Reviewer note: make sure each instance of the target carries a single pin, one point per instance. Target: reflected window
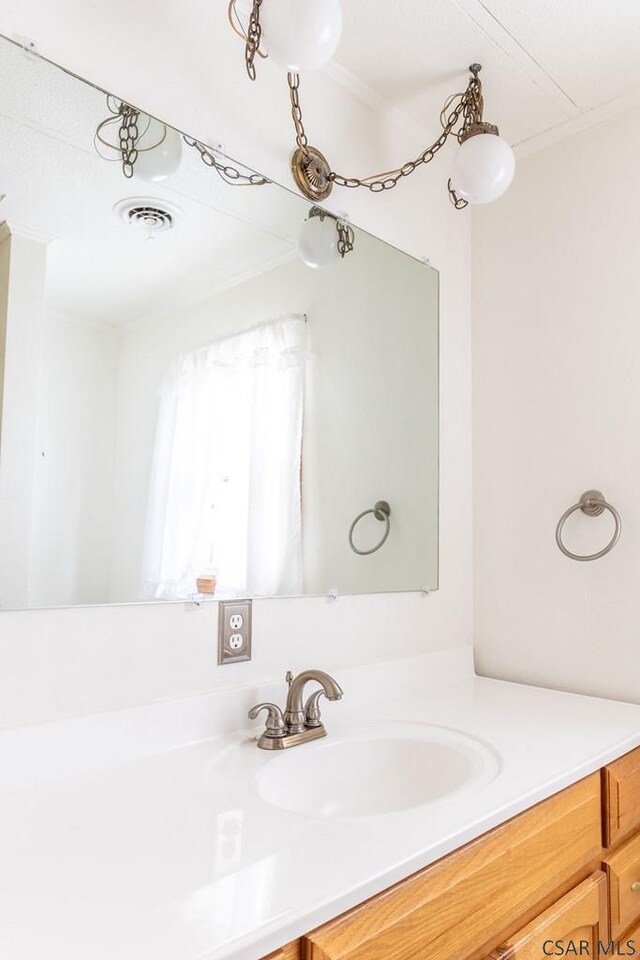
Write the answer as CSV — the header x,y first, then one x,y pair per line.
x,y
224,509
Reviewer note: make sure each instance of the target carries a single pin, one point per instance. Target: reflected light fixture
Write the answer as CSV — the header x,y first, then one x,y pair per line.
x,y
324,239
147,148
150,150
302,35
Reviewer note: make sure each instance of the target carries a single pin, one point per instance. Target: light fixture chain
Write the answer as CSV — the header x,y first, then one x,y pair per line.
x,y
254,35
293,79
128,134
459,202
389,180
229,174
346,238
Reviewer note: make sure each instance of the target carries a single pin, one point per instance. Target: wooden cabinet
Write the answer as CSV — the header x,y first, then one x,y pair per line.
x,y
621,798
623,871
472,898
574,926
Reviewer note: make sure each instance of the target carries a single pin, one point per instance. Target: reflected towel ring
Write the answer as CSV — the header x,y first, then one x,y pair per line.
x,y
382,512
592,503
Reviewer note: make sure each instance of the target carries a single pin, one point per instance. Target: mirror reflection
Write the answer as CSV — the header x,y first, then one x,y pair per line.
x,y
210,388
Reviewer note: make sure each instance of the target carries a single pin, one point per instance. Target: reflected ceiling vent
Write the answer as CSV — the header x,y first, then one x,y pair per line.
x,y
149,215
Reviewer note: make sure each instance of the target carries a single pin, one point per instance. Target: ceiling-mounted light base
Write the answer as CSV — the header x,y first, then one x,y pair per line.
x,y
311,170
477,128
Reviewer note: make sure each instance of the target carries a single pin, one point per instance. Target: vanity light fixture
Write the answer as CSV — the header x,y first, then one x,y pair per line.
x,y
147,148
324,238
152,151
303,36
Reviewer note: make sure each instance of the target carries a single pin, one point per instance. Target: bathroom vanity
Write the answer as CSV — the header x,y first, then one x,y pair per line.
x,y
165,832
530,888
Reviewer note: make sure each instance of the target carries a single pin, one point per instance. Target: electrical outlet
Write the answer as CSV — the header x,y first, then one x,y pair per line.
x,y
234,631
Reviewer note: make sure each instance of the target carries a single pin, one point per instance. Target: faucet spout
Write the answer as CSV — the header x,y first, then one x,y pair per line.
x,y
294,714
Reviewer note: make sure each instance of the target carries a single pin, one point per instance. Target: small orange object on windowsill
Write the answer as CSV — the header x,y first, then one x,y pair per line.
x,y
207,584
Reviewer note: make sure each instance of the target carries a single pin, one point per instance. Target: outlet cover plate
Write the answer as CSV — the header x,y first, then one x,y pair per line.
x,y
238,611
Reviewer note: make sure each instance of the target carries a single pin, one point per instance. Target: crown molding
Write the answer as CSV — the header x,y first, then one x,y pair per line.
x,y
13,228
579,124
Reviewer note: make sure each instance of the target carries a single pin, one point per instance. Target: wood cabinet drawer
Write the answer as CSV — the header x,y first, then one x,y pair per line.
x,y
621,793
580,917
623,872
472,898
627,945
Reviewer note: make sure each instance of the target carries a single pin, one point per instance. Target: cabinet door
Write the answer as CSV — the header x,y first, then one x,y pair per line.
x,y
623,872
572,927
621,788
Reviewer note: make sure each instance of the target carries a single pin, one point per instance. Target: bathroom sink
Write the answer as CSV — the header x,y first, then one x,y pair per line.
x,y
381,770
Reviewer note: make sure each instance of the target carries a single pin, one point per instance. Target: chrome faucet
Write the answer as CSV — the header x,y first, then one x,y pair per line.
x,y
301,721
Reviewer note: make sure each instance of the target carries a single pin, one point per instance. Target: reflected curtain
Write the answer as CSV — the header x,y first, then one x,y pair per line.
x,y
224,492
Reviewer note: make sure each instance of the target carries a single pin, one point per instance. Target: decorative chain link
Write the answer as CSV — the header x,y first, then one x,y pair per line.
x,y
128,134
293,79
228,173
346,237
254,35
458,202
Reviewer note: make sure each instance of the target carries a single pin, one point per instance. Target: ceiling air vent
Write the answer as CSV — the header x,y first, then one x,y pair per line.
x,y
152,216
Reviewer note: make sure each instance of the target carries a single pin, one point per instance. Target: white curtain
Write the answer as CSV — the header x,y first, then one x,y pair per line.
x,y
224,493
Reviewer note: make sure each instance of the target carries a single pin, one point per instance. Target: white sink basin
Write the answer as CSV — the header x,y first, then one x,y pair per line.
x,y
381,770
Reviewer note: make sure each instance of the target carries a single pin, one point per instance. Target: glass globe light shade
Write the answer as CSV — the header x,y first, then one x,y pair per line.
x,y
483,168
156,162
301,35
318,242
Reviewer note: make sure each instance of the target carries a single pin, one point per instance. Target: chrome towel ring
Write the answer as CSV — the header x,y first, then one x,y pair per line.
x,y
382,512
592,503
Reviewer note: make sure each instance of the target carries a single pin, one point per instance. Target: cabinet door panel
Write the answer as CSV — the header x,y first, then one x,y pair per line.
x,y
623,872
621,789
574,926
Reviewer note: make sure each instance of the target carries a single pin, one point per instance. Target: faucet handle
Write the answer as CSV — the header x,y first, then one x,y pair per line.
x,y
312,709
274,726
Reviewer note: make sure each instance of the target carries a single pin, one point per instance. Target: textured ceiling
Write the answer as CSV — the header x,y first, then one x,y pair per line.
x,y
549,66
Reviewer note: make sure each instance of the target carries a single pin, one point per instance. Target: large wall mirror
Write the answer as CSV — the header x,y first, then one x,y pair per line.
x,y
189,408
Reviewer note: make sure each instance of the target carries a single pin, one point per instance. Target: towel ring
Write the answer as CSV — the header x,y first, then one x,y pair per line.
x,y
382,512
592,503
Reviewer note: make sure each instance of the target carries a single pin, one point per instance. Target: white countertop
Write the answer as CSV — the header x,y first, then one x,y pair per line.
x,y
131,836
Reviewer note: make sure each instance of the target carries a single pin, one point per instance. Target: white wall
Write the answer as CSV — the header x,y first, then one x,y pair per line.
x,y
372,336
556,346
189,71
73,491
